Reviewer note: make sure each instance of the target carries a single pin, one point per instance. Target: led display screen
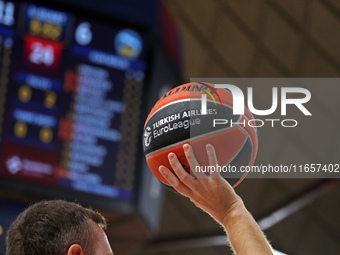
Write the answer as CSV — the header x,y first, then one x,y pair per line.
x,y
70,100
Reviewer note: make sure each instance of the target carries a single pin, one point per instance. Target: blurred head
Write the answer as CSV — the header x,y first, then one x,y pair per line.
x,y
58,227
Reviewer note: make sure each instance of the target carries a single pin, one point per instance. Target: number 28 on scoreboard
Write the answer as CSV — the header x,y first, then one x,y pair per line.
x,y
42,53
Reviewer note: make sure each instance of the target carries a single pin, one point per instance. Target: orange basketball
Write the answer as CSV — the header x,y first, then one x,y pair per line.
x,y
177,119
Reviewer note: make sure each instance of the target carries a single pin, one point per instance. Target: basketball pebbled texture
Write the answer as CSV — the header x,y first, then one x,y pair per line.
x,y
176,119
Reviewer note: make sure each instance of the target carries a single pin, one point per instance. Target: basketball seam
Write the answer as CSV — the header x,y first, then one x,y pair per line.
x,y
241,147
252,144
244,142
255,129
252,152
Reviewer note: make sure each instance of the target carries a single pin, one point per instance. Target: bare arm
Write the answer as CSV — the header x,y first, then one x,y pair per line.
x,y
216,197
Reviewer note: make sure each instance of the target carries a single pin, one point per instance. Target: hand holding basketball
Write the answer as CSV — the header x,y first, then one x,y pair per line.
x,y
213,194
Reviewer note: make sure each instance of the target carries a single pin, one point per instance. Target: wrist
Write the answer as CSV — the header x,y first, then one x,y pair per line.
x,y
235,210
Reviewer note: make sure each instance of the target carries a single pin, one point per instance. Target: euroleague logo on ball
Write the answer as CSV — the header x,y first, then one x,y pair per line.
x,y
147,136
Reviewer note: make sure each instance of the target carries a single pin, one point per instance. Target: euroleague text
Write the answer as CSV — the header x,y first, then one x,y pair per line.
x,y
183,120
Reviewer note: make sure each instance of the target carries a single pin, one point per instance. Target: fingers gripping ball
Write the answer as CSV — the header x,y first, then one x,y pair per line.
x,y
177,119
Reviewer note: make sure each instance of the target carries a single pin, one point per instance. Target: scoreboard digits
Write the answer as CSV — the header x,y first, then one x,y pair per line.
x,y
83,34
45,29
6,13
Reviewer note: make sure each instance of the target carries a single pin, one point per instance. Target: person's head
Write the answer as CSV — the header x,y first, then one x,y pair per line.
x,y
58,227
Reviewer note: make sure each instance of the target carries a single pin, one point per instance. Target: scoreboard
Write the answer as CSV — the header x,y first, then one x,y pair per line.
x,y
71,92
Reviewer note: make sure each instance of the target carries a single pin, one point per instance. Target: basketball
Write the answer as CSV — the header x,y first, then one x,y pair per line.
x,y
178,118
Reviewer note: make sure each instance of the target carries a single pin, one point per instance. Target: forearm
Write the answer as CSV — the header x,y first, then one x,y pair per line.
x,y
244,234
216,196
